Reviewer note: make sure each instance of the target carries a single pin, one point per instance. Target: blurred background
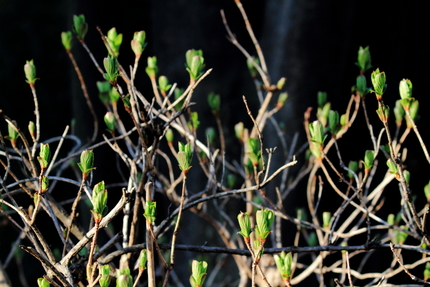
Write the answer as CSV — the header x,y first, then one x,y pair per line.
x,y
312,43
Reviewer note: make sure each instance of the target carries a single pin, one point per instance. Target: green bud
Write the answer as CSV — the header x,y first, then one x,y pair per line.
x,y
369,157
30,72
322,99
378,82
138,43
361,86
169,135
111,66
353,165
87,162
239,131
80,27
194,63
114,41
109,119
66,40
124,278
45,184
254,152
251,67
150,212
42,282
343,120
114,95
142,260
316,130
31,129
312,240
231,180
189,56
334,122
13,134
194,121
196,67
152,68
399,112
184,157
326,219
198,273
383,112
214,102
392,167
104,89
282,99
284,262
210,135
427,191
427,272
363,59
178,93
280,84
163,84
99,201
399,237
264,218
405,89
44,156
105,276
245,225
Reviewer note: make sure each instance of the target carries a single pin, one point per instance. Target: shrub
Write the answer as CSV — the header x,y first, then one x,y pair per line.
x,y
330,241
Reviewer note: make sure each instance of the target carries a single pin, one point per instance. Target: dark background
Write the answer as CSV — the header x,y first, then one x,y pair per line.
x,y
312,43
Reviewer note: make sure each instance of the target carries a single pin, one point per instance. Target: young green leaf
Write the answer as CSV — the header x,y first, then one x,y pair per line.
x,y
152,68
150,212
44,156
111,66
105,276
184,157
99,201
80,27
378,81
364,59
114,41
245,226
30,72
198,273
110,121
87,162
42,282
138,43
66,40
405,89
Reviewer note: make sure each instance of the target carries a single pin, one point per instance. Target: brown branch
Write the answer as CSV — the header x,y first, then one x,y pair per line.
x,y
413,277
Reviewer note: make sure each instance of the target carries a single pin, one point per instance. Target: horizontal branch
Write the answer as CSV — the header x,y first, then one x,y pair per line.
x,y
245,252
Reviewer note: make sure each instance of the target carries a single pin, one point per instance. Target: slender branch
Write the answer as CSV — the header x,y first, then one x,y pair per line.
x,y
86,95
413,277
